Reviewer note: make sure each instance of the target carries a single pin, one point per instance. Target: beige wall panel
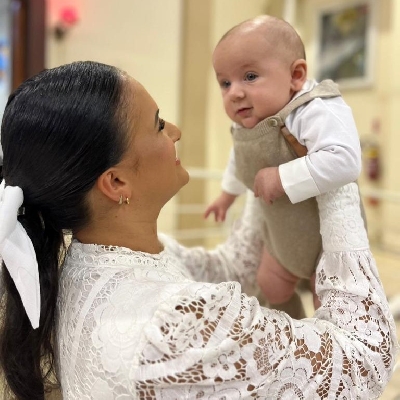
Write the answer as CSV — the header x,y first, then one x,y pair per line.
x,y
141,37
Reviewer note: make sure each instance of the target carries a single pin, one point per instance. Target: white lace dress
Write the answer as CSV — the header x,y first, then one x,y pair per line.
x,y
140,326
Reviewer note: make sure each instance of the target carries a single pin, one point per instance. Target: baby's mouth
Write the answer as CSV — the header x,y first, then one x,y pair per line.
x,y
243,111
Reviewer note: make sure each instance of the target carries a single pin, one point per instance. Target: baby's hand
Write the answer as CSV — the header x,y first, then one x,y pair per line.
x,y
268,185
220,206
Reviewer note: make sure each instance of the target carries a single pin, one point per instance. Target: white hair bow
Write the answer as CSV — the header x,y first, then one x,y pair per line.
x,y
17,251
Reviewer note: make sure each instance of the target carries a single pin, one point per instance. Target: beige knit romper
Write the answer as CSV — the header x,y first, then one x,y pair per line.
x,y
290,231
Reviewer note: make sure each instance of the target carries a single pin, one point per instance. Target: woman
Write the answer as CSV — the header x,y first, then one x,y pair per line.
x,y
85,150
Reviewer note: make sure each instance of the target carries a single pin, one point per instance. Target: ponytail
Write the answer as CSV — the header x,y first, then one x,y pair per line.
x,y
61,130
27,354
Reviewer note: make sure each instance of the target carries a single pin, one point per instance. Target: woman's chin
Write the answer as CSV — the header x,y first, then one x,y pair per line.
x,y
182,180
186,177
183,176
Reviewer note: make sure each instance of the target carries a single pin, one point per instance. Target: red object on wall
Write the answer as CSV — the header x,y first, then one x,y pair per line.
x,y
69,16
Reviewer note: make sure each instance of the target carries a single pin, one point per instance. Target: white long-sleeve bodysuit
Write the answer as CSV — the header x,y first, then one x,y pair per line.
x,y
327,128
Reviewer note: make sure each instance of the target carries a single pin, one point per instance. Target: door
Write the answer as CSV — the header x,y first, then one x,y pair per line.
x,y
22,44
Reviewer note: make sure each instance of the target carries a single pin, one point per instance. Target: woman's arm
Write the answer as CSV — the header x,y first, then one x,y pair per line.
x,y
213,340
236,259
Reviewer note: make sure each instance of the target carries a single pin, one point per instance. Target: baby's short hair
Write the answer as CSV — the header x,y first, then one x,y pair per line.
x,y
277,31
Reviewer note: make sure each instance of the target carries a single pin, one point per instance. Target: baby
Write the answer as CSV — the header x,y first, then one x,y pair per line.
x,y
293,139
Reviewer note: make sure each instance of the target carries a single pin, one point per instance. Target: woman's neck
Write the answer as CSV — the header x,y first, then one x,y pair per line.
x,y
137,236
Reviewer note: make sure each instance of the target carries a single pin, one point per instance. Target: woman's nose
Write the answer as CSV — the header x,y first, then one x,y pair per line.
x,y
173,132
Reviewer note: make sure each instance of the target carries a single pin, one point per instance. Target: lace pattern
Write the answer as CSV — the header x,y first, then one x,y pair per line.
x,y
134,325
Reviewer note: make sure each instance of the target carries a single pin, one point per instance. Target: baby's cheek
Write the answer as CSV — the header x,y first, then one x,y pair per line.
x,y
229,110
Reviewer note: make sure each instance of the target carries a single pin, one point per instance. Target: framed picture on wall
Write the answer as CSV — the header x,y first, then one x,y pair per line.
x,y
345,42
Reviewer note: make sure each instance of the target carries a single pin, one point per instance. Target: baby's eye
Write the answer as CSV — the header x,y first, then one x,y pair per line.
x,y
161,124
224,84
251,76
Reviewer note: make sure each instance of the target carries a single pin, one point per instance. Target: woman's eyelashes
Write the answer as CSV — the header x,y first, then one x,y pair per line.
x,y
161,124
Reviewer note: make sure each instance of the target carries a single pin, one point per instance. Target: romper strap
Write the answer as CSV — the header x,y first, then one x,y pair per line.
x,y
325,89
297,147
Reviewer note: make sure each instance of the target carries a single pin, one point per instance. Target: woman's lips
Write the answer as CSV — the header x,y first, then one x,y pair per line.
x,y
177,160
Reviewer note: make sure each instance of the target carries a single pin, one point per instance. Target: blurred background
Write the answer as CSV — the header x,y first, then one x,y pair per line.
x,y
167,46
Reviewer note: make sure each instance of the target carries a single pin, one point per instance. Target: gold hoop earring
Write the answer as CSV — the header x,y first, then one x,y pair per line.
x,y
120,200
127,200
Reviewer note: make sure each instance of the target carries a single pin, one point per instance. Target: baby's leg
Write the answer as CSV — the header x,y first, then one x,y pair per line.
x,y
278,286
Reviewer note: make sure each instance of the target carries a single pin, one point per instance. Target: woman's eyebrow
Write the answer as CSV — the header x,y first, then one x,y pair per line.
x,y
156,118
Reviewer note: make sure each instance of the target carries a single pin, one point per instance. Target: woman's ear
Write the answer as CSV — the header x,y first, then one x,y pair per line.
x,y
112,185
299,74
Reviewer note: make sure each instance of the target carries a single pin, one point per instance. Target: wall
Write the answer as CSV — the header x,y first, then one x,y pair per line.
x,y
167,45
206,139
141,37
375,108
226,14
5,60
389,62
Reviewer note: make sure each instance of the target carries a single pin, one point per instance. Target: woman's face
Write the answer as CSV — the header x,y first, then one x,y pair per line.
x,y
156,170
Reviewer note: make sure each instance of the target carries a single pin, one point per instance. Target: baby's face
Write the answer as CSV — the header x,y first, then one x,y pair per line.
x,y
255,79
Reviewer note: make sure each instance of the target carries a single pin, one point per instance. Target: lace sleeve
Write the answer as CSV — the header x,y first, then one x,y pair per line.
x,y
211,341
236,259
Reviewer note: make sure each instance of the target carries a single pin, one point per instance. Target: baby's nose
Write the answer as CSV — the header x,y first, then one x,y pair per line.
x,y
236,91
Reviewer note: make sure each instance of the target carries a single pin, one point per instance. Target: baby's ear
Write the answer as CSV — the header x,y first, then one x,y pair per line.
x,y
299,74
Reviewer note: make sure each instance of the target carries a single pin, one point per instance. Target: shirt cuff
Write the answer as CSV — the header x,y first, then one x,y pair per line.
x,y
233,186
297,181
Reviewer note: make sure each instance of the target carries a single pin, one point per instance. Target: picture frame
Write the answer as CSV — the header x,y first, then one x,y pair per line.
x,y
346,32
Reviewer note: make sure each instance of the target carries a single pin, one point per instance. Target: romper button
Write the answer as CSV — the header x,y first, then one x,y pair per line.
x,y
273,122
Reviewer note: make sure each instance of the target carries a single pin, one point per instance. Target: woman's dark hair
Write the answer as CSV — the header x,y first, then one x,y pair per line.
x,y
61,130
